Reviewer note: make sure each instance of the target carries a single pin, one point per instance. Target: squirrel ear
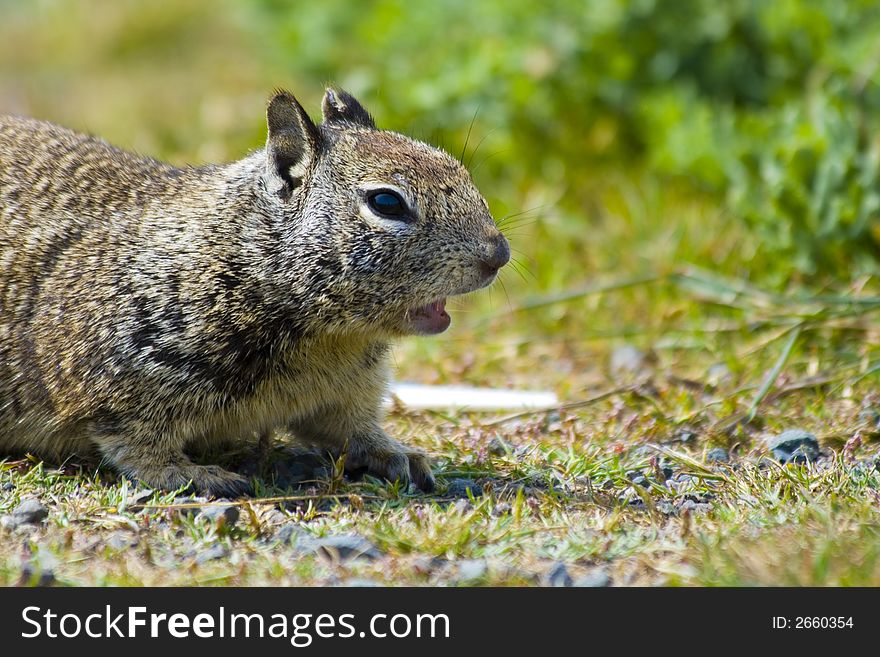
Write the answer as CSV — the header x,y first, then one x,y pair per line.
x,y
341,108
292,145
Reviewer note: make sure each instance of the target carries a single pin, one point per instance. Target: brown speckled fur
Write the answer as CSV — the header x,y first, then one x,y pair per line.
x,y
145,307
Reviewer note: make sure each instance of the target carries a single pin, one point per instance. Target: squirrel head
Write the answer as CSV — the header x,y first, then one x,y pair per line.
x,y
387,227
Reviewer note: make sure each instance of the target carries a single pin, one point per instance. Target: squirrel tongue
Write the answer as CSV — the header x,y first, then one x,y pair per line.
x,y
430,319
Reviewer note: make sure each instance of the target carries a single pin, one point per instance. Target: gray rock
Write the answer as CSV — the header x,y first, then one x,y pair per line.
x,y
558,576
341,547
290,533
685,436
498,447
216,551
627,359
29,512
718,455
794,446
717,374
7,486
460,488
701,496
462,506
360,582
694,507
138,497
39,569
871,416
120,541
229,514
596,578
472,569
802,455
34,575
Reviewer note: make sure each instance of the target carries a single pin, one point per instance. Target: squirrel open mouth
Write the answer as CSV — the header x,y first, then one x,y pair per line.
x,y
429,319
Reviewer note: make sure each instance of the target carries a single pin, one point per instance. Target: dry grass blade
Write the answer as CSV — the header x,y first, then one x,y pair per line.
x,y
701,469
770,379
254,501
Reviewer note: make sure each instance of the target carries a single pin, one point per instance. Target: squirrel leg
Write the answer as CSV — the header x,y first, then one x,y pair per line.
x,y
386,457
368,446
166,467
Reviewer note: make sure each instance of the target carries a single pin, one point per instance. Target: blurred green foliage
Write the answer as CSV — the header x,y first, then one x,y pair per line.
x,y
773,105
575,108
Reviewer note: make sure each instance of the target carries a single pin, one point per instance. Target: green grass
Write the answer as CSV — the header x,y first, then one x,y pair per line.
x,y
630,258
557,488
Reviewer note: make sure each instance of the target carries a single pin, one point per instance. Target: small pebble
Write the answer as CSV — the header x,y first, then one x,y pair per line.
x,y
138,497
717,455
471,569
802,455
120,541
717,374
361,582
667,508
597,578
498,447
558,576
871,416
460,488
666,470
703,496
290,532
694,507
29,512
229,514
33,575
216,551
462,506
794,446
342,547
685,436
423,565
627,359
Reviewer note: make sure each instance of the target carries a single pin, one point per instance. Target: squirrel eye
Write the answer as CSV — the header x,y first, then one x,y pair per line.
x,y
388,204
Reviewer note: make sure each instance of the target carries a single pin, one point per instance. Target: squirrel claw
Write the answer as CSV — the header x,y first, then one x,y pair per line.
x,y
208,480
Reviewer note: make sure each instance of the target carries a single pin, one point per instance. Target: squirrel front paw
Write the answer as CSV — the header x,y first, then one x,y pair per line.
x,y
420,471
387,458
208,480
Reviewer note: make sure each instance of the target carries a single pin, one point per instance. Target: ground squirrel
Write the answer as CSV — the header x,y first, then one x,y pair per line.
x,y
145,308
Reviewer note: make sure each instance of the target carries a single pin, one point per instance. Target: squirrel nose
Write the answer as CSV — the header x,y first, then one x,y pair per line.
x,y
497,255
